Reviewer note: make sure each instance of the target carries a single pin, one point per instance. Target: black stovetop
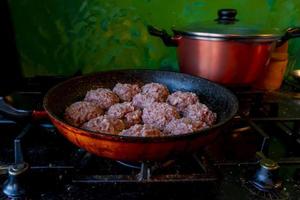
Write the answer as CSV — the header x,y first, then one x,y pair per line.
x,y
267,122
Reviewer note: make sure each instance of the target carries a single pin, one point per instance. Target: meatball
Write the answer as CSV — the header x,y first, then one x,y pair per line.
x,y
126,91
182,99
119,110
159,115
141,131
143,100
102,96
183,126
151,92
156,90
82,111
200,112
127,111
105,124
133,118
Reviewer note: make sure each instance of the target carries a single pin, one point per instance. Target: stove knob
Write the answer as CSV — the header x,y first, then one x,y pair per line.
x,y
266,177
268,164
14,187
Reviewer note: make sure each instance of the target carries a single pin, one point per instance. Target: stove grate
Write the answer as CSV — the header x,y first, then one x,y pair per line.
x,y
264,195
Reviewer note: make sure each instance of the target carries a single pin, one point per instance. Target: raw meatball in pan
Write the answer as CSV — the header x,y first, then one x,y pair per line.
x,y
105,124
119,110
143,100
200,112
82,111
156,90
159,114
183,126
126,91
141,131
133,118
103,97
182,99
126,111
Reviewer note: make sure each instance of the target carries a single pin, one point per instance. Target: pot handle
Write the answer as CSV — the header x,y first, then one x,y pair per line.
x,y
19,115
166,38
290,33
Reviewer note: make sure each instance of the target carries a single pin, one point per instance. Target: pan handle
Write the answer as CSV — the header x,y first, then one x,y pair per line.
x,y
290,33
19,115
12,113
39,114
168,40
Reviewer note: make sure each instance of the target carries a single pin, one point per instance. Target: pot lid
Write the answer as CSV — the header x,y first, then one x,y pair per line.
x,y
226,26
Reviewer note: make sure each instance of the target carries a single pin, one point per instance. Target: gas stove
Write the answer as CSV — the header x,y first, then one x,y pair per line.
x,y
256,157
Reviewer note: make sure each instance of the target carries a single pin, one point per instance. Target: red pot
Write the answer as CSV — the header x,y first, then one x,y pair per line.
x,y
225,50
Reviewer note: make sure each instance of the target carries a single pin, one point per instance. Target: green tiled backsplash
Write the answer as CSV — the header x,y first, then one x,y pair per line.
x,y
62,36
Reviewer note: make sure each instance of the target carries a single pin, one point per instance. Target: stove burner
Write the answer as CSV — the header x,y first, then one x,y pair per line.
x,y
181,170
265,195
154,166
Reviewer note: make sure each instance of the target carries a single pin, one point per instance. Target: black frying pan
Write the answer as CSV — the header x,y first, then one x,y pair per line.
x,y
218,99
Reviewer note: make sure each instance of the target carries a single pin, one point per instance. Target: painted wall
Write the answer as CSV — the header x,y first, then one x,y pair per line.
x,y
61,37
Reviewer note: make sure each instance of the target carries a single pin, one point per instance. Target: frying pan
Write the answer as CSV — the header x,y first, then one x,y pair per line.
x,y
127,148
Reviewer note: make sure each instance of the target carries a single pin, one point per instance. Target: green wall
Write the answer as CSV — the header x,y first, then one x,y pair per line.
x,y
63,36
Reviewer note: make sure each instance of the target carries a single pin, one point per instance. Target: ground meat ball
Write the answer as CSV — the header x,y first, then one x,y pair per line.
x,y
182,99
102,96
82,111
127,111
105,124
133,118
143,100
200,112
159,115
119,110
183,126
126,91
141,131
156,90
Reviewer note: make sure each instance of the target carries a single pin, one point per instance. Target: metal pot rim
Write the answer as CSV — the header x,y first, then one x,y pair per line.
x,y
218,36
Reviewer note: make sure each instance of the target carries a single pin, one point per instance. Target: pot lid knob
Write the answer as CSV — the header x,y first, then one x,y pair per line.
x,y
227,16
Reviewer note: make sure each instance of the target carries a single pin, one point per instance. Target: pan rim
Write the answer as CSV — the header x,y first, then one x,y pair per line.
x,y
108,136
